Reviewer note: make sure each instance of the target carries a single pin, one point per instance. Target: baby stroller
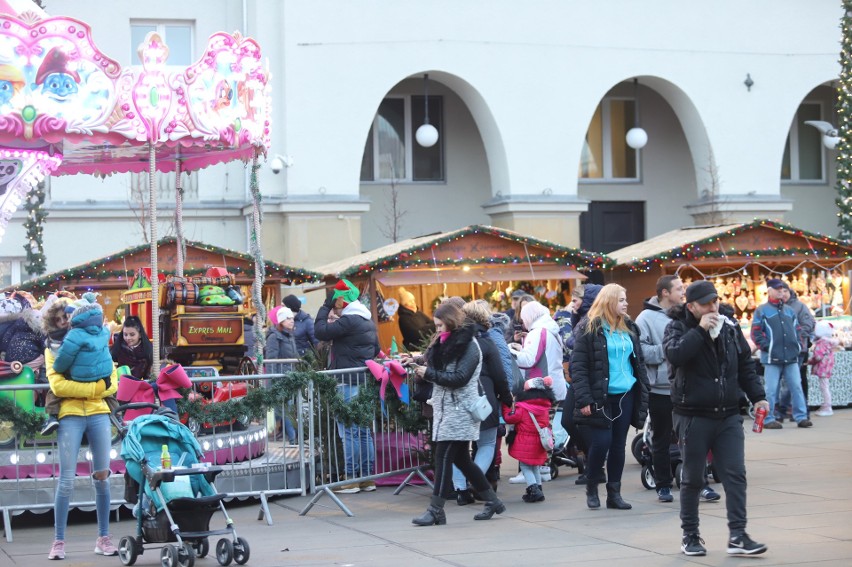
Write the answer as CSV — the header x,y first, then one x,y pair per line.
x,y
173,505
642,452
565,452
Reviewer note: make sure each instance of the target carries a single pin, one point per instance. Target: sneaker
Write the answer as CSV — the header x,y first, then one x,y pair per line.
x,y
352,488
709,495
825,412
692,544
744,545
367,486
773,425
805,423
545,473
57,550
665,495
51,425
518,479
104,546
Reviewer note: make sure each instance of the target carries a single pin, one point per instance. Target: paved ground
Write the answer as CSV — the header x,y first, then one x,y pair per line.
x,y
800,504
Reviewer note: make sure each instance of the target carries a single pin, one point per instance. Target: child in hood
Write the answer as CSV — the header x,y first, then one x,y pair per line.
x,y
536,399
822,361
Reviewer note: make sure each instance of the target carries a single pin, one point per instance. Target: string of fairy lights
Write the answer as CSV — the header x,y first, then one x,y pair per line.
x,y
408,258
844,116
98,270
819,247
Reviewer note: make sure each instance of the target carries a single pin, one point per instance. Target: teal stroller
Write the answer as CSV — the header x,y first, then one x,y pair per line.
x,y
173,506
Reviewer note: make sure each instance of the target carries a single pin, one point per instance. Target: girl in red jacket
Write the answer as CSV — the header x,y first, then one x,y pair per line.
x,y
537,398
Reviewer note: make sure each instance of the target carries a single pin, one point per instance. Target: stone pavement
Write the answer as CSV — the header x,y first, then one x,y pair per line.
x,y
800,505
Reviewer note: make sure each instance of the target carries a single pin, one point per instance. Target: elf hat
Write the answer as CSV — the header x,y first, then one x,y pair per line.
x,y
346,290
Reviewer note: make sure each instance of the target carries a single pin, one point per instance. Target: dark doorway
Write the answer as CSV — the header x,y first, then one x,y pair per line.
x,y
610,225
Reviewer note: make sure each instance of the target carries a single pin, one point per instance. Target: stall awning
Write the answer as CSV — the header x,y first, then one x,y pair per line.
x,y
473,275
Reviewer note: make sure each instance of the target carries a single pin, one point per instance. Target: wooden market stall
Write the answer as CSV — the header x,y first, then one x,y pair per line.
x,y
481,262
738,259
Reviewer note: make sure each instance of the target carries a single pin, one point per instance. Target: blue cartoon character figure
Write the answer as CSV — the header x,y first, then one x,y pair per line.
x,y
57,77
11,83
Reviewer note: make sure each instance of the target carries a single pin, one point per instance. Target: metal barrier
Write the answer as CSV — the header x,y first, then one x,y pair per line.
x,y
353,455
258,462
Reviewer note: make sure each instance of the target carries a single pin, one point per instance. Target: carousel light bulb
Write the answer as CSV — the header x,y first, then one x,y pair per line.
x,y
40,457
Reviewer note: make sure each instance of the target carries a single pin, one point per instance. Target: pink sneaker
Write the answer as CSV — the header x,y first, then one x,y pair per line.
x,y
57,550
104,546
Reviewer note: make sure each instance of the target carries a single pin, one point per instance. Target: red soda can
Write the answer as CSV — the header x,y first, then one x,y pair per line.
x,y
759,416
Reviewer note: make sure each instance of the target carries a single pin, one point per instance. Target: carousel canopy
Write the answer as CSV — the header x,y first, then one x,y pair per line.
x,y
119,268
759,240
472,254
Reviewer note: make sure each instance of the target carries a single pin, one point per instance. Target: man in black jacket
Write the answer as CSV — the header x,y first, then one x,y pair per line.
x,y
711,362
354,341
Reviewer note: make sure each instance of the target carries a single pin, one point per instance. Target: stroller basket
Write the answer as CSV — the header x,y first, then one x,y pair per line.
x,y
191,514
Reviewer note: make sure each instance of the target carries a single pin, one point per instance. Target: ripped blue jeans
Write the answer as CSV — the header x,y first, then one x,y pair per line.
x,y
99,433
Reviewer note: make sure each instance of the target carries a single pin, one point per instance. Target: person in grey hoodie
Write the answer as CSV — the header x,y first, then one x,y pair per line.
x,y
652,322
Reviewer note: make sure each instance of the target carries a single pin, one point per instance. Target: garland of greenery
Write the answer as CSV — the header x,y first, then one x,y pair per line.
x,y
34,243
361,410
844,116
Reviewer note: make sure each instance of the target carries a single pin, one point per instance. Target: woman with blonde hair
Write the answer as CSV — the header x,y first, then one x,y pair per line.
x,y
611,391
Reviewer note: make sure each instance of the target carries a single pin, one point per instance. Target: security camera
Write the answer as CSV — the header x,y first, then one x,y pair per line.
x,y
277,164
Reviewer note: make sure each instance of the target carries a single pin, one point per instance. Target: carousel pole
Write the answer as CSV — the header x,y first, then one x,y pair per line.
x,y
181,244
259,265
155,285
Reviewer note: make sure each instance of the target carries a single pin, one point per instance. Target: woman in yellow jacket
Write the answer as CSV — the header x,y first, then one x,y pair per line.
x,y
82,410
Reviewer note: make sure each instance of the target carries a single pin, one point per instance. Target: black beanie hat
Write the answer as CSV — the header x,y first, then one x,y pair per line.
x,y
293,303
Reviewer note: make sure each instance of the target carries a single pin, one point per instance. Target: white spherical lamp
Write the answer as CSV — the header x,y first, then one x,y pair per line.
x,y
830,141
637,138
426,135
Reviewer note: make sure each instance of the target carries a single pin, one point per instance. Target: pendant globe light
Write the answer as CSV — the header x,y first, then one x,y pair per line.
x,y
636,137
426,135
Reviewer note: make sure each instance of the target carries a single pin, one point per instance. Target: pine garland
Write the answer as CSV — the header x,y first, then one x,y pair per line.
x,y
24,423
34,245
844,115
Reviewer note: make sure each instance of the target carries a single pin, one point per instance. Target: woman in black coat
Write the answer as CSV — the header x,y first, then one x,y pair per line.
x,y
131,347
495,385
610,389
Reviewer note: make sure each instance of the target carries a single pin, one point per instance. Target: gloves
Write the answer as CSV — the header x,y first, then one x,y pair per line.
x,y
329,301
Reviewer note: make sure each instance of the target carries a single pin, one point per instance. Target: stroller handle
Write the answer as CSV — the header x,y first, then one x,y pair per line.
x,y
134,406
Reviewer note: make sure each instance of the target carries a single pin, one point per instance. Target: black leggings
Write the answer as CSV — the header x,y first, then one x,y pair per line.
x,y
449,453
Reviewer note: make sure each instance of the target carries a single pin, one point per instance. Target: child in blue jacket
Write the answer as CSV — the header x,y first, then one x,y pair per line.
x,y
84,354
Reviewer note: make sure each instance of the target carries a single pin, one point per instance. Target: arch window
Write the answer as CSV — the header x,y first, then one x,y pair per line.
x,y
804,154
606,155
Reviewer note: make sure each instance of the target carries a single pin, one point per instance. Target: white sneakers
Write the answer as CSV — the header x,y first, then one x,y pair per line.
x,y
824,412
545,476
518,479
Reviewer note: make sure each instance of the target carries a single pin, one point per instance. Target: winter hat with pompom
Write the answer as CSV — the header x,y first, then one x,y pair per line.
x,y
823,330
86,312
538,383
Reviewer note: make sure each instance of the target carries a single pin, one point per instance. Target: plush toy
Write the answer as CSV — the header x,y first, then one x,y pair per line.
x,y
214,295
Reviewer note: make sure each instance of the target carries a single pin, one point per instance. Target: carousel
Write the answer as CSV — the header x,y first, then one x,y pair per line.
x,y
66,108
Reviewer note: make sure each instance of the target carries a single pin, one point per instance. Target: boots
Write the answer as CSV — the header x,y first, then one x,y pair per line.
x,y
434,514
613,497
464,497
534,494
493,505
593,501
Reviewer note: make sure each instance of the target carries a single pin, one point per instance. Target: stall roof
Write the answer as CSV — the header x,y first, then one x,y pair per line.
x,y
759,239
121,266
470,254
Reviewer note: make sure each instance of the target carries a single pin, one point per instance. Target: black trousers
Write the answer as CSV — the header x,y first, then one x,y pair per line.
x,y
660,410
725,437
449,453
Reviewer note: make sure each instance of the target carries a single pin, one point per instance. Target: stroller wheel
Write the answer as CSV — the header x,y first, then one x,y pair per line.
x,y
636,447
169,556
648,480
127,550
186,555
224,552
202,547
241,551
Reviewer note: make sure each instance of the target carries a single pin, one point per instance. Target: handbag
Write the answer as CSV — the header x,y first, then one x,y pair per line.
x,y
545,434
480,409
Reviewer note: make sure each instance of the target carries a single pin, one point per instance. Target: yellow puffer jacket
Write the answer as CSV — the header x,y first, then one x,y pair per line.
x,y
79,398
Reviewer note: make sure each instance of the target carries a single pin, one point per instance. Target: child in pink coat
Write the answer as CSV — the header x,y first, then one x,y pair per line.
x,y
822,362
537,398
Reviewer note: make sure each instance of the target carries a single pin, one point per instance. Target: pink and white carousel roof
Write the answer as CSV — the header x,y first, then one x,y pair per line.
x,y
67,108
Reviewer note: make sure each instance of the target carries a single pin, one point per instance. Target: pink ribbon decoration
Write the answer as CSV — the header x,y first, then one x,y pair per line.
x,y
391,371
131,390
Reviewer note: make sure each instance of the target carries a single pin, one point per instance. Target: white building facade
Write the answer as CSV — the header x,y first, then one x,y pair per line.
x,y
531,100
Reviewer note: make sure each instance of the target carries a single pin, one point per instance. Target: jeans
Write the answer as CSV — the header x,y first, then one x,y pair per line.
x,y
98,431
772,374
359,454
660,410
485,446
532,474
608,444
725,437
